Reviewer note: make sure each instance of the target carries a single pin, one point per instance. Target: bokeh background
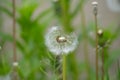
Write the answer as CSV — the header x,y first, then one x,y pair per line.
x,y
35,17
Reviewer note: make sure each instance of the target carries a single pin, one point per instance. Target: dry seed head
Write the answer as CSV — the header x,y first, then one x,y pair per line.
x,y
58,42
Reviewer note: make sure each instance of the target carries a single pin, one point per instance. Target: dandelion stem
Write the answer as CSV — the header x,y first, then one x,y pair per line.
x,y
96,47
66,21
118,64
14,33
64,67
102,63
118,70
95,10
14,40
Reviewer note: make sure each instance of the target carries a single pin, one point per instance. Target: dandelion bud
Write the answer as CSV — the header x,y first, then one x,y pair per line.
x,y
100,32
95,9
94,3
15,64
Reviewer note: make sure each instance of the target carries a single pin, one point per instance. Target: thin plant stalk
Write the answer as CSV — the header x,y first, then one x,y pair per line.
x,y
103,64
14,32
14,39
95,11
118,70
96,26
64,67
83,20
118,64
66,21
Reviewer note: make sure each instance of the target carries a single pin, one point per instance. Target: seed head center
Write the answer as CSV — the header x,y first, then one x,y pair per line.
x,y
61,39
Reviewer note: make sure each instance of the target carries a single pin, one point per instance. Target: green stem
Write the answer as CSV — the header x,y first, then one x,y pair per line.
x,y
96,27
66,22
15,76
102,63
65,16
64,67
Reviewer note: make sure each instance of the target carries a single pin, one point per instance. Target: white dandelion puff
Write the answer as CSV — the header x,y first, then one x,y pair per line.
x,y
58,42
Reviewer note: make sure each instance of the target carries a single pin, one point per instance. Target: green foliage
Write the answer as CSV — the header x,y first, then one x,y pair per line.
x,y
32,45
118,73
4,65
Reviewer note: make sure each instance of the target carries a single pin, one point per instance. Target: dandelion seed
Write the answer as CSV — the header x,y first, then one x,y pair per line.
x,y
58,42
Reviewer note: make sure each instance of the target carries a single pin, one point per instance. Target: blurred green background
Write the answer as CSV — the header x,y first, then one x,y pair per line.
x,y
35,17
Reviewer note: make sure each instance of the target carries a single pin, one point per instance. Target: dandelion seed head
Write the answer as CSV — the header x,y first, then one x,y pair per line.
x,y
58,42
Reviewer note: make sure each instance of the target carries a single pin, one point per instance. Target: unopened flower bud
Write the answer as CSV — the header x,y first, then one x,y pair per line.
x,y
100,32
95,9
15,64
